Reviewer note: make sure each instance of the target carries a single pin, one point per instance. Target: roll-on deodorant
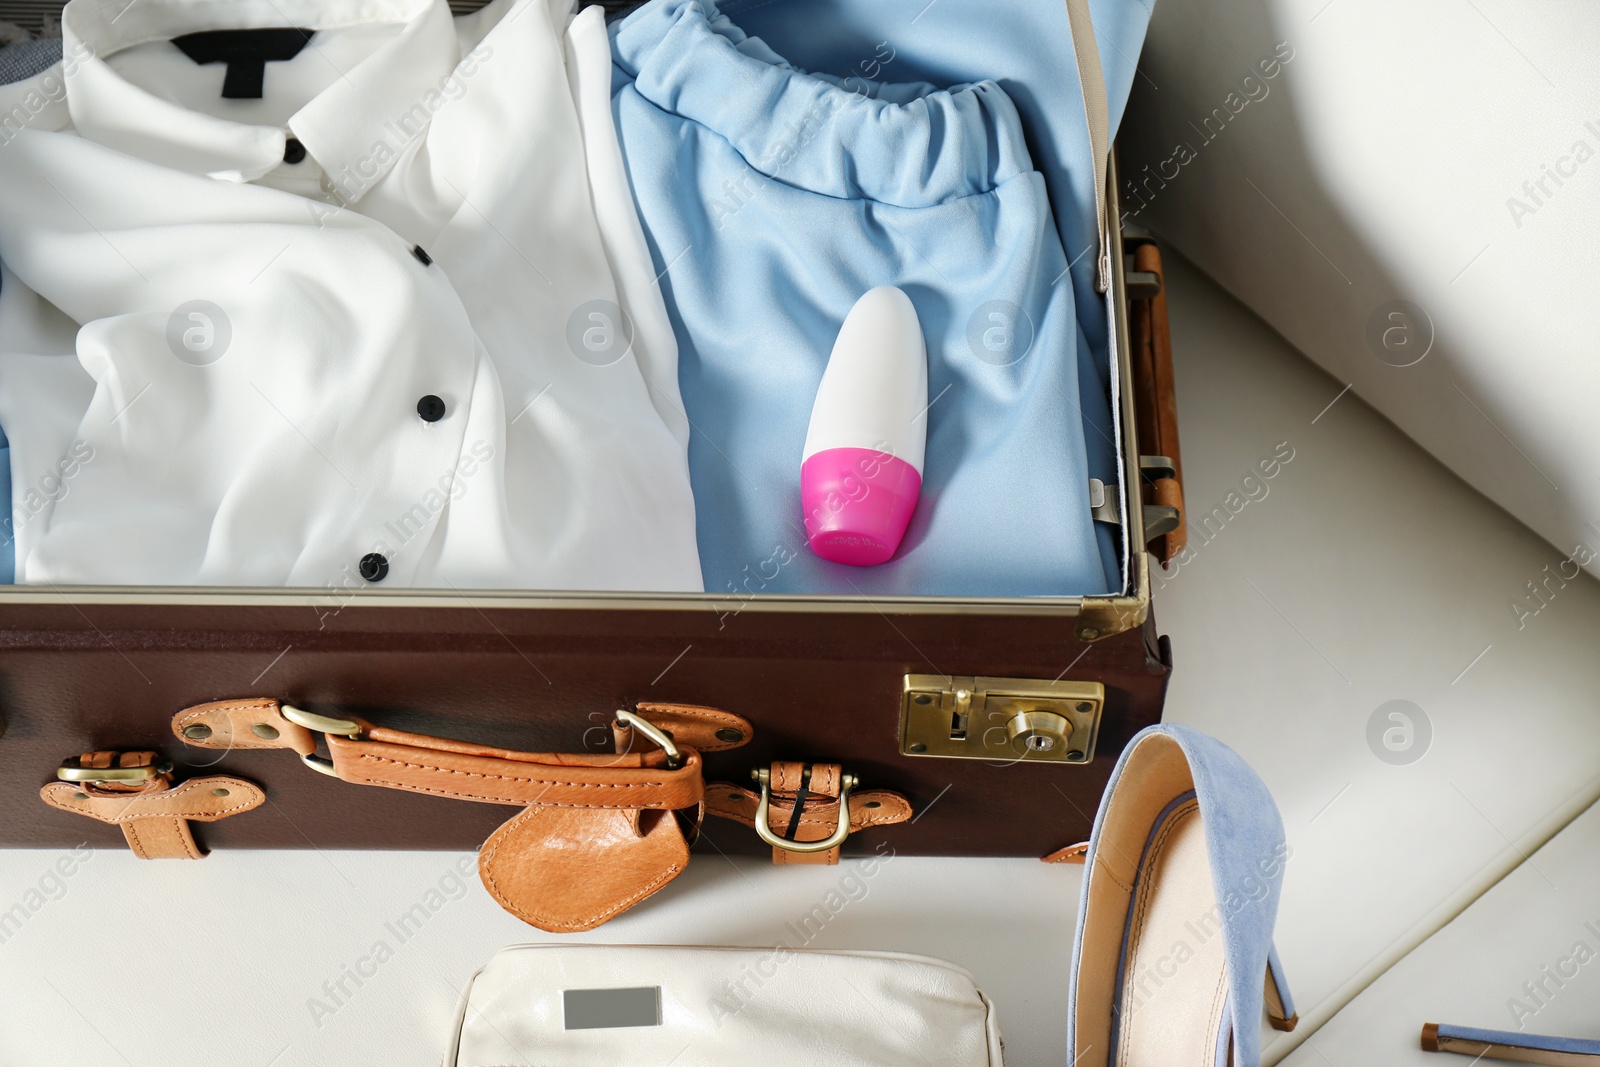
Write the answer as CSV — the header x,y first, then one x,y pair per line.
x,y
861,471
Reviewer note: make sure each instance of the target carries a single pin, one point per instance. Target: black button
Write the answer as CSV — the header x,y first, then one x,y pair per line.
x,y
431,408
374,566
293,151
422,256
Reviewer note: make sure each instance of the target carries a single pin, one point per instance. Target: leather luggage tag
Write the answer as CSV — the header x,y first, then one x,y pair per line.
x,y
597,834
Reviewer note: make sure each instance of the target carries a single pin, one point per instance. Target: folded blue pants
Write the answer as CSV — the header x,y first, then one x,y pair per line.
x,y
772,199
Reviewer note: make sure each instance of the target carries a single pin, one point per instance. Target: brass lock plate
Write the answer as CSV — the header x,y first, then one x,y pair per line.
x,y
1004,719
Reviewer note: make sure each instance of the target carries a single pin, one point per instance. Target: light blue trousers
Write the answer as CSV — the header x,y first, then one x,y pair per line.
x,y
773,199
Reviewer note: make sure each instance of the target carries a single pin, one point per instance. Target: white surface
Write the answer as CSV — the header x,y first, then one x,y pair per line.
x,y
1538,928
1365,574
1382,163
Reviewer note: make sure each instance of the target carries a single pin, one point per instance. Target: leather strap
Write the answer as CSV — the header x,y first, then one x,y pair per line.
x,y
816,800
421,764
153,813
598,832
241,724
691,725
1078,853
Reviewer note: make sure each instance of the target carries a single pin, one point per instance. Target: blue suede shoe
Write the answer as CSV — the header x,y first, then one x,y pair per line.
x,y
1509,1045
1173,957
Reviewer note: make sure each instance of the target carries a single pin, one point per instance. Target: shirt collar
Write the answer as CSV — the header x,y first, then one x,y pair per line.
x,y
354,128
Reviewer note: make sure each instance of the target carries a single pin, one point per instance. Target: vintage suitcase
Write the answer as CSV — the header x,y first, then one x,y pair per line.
x,y
998,719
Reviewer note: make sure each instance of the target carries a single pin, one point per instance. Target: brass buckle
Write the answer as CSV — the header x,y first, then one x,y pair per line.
x,y
763,776
73,770
321,724
655,734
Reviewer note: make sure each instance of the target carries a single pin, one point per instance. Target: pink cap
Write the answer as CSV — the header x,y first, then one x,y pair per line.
x,y
857,503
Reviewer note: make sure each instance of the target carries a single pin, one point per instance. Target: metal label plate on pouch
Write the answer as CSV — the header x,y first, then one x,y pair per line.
x,y
611,1009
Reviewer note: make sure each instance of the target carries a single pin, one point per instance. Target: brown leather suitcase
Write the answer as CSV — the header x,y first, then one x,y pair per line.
x,y
999,720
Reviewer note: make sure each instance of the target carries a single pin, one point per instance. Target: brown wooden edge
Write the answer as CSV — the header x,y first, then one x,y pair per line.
x,y
1155,396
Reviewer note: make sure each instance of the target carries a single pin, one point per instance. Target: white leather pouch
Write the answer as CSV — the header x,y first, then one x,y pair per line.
x,y
610,1006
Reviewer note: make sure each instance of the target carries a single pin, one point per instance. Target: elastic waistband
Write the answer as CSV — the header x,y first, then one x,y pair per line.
x,y
908,144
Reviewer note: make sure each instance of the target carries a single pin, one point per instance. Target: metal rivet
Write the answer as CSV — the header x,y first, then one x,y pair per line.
x,y
1089,633
919,747
219,792
1074,755
924,698
730,735
735,797
1085,707
873,804
80,796
264,731
197,731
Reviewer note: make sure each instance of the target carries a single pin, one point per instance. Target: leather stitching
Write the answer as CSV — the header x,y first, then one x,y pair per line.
x,y
891,818
1218,999
895,810
254,799
554,783
1140,906
131,832
712,715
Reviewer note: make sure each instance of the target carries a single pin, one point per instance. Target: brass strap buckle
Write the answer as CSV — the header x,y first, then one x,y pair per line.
x,y
763,777
659,737
73,770
321,724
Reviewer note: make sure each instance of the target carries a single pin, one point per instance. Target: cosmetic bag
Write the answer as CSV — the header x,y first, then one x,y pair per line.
x,y
718,1007
574,733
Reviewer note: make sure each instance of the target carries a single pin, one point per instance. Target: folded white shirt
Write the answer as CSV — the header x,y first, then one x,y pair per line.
x,y
432,339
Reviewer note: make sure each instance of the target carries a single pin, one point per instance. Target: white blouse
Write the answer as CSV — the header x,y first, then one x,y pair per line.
x,y
393,321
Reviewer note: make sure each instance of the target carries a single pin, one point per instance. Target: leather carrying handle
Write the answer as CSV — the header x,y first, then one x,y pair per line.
x,y
421,764
461,770
597,832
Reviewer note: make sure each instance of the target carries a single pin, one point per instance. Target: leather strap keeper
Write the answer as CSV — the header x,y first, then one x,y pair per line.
x,y
818,801
599,831
153,813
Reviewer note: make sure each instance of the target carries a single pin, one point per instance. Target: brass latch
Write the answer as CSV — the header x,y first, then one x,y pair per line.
x,y
1007,719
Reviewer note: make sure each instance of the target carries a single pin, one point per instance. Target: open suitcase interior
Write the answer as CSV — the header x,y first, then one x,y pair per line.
x,y
267,496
